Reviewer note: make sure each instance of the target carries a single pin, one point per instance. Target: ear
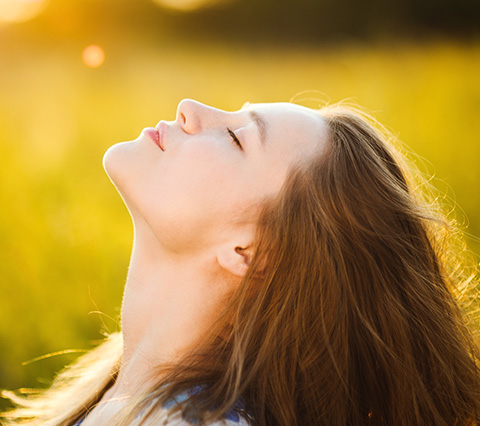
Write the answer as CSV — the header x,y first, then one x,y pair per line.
x,y
235,259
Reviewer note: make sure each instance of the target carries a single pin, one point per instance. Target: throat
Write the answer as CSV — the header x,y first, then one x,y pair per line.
x,y
168,305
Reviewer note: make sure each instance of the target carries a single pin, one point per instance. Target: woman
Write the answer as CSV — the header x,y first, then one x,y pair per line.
x,y
285,271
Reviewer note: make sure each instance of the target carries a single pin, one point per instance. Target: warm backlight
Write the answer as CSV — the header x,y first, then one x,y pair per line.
x,y
93,56
186,5
20,10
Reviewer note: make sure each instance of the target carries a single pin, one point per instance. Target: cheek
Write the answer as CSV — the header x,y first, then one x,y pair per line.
x,y
184,200
198,176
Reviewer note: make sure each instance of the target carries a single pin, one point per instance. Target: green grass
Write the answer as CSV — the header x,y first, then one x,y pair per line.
x,y
65,235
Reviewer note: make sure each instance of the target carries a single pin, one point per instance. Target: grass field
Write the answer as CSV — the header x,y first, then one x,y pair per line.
x,y
65,235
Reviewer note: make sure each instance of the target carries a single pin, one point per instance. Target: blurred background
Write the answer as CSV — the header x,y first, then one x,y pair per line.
x,y
77,76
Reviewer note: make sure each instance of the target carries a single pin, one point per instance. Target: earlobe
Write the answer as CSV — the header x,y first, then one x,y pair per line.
x,y
234,260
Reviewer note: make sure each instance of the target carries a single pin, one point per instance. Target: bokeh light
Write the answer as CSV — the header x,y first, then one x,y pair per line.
x,y
187,5
93,56
20,10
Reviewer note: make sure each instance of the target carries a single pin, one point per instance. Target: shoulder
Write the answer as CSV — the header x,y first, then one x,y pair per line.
x,y
159,413
241,421
236,416
177,420
161,419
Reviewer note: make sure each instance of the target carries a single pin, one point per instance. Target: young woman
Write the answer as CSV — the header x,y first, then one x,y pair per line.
x,y
286,271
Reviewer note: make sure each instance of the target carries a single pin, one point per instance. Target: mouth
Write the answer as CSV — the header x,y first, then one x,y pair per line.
x,y
154,134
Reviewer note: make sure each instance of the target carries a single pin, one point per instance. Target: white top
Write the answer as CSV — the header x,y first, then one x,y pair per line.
x,y
178,421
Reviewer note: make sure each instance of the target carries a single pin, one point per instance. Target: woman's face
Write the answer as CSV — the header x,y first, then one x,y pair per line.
x,y
206,185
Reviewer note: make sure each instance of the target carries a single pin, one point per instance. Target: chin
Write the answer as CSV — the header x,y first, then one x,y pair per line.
x,y
110,160
127,165
117,160
121,157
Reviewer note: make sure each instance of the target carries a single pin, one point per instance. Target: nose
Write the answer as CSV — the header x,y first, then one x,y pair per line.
x,y
194,116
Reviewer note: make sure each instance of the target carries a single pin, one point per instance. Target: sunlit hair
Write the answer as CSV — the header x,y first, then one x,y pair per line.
x,y
351,313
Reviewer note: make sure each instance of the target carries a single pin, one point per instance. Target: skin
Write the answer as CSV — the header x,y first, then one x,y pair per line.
x,y
194,208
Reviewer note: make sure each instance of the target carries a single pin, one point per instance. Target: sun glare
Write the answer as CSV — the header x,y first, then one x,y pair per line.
x,y
20,10
186,5
93,56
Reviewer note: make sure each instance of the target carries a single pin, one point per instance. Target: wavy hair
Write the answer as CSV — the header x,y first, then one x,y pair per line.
x,y
353,310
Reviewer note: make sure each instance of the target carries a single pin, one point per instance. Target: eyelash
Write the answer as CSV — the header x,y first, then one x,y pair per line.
x,y
234,138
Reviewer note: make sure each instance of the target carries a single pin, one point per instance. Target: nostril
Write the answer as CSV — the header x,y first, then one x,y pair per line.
x,y
183,119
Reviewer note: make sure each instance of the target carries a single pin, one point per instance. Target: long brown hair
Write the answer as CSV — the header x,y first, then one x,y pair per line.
x,y
351,313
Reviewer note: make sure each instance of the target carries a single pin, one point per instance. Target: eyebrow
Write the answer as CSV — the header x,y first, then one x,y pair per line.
x,y
261,126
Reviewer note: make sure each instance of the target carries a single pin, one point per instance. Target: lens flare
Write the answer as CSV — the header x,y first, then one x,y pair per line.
x,y
188,5
20,10
93,56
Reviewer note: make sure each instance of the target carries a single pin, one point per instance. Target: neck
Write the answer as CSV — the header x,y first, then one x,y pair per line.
x,y
169,302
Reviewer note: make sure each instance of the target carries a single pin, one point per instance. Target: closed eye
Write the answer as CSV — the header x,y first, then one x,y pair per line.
x,y
234,138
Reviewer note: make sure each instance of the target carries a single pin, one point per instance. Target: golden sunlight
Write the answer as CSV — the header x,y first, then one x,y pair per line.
x,y
187,5
93,56
20,10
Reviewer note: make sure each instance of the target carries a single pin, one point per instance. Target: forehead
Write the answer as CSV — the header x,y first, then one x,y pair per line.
x,y
283,109
294,128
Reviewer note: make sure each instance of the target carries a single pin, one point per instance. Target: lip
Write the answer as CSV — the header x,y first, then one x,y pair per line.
x,y
153,134
161,128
